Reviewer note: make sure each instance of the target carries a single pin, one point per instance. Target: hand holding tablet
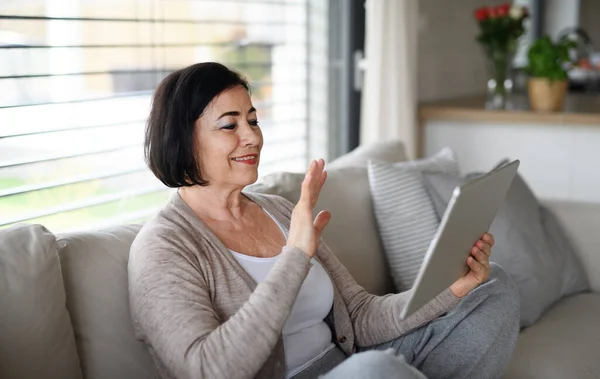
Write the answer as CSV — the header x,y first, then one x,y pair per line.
x,y
467,219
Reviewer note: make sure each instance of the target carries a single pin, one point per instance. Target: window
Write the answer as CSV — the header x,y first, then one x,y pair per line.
x,y
76,79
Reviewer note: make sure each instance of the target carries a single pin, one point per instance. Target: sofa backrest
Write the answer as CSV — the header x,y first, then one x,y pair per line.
x,y
95,264
581,222
94,267
88,271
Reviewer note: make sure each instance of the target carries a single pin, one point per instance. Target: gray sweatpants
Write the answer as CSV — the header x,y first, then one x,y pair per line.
x,y
473,340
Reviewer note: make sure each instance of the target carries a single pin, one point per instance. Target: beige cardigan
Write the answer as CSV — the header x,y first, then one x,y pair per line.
x,y
202,316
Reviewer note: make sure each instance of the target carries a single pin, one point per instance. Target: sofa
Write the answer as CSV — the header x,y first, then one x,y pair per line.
x,y
64,301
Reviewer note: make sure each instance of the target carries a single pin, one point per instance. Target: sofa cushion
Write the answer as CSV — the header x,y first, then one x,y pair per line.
x,y
36,337
95,275
564,343
406,219
351,233
581,222
530,246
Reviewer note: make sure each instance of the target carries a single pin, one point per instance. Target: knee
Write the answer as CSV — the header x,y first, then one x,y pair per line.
x,y
371,361
375,364
503,287
504,283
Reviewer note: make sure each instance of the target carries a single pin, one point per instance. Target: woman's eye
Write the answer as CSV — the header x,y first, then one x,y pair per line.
x,y
229,127
253,122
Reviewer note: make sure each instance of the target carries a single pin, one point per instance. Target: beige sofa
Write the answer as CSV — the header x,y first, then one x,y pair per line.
x,y
64,307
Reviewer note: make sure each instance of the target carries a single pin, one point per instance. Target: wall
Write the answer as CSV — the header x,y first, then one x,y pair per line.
x,y
559,15
450,62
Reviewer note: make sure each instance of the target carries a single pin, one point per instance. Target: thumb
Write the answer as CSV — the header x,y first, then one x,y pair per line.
x,y
321,221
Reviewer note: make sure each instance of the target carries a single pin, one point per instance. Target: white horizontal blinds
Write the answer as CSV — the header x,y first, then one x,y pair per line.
x,y
76,79
318,79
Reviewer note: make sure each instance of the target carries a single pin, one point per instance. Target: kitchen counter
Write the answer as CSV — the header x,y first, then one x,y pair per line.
x,y
578,109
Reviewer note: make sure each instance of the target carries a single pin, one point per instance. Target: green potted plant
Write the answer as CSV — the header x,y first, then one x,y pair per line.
x,y
548,68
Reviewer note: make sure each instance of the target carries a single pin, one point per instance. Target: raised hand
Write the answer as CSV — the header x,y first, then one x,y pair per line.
x,y
305,231
479,265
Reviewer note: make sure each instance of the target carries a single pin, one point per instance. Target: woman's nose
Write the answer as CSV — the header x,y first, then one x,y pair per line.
x,y
250,135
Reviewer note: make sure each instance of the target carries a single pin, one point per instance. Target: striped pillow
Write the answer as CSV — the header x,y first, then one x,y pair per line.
x,y
405,215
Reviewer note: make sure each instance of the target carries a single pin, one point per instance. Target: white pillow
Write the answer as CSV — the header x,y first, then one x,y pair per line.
x,y
405,215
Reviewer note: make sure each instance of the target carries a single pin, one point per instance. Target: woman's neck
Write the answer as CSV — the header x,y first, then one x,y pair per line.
x,y
214,203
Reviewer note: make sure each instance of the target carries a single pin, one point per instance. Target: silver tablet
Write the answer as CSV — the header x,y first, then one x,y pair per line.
x,y
469,215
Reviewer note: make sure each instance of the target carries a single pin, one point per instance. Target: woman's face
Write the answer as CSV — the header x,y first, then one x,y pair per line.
x,y
229,140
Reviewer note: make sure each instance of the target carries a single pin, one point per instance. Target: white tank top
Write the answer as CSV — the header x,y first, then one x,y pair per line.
x,y
306,337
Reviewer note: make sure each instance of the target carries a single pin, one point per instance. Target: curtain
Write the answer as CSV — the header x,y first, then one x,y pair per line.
x,y
389,99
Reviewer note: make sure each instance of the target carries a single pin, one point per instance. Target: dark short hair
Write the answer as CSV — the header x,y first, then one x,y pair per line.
x,y
178,101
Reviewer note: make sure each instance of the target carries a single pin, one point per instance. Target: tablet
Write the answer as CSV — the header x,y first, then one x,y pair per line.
x,y
469,215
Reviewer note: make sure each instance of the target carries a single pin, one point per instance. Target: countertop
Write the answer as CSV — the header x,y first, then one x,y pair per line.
x,y
578,109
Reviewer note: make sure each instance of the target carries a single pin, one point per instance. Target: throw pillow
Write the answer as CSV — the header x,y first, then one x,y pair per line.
x,y
36,337
94,267
530,246
405,216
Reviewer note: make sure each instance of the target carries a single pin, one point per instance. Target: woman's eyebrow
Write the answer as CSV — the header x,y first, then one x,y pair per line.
x,y
230,113
235,113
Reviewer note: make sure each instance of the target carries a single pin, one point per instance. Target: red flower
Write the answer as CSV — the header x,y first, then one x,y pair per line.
x,y
492,12
481,13
502,10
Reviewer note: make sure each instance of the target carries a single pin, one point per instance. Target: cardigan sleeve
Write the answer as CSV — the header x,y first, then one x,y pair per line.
x,y
376,319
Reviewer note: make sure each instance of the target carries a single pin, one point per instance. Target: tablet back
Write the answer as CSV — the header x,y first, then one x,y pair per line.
x,y
469,215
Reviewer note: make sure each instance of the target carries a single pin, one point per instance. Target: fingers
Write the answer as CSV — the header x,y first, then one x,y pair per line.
x,y
305,187
323,179
474,265
488,238
481,257
316,174
479,263
484,246
481,272
321,222
313,182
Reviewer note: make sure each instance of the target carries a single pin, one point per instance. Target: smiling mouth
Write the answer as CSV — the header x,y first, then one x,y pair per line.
x,y
248,159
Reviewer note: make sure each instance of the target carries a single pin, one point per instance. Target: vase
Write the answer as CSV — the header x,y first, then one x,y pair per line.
x,y
546,95
499,86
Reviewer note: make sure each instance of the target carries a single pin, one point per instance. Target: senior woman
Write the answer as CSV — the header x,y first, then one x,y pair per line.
x,y
225,283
